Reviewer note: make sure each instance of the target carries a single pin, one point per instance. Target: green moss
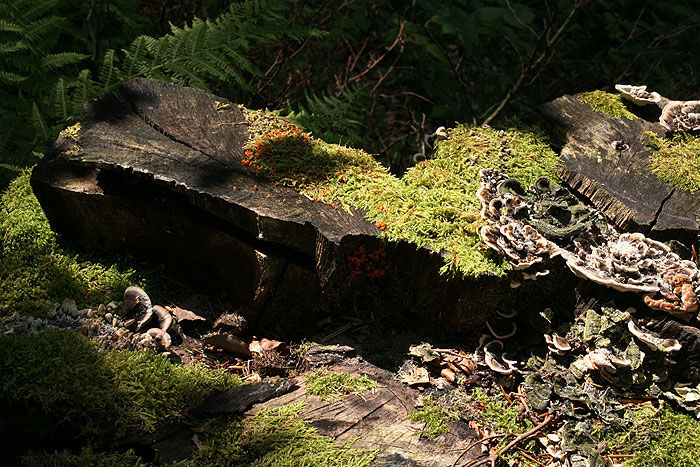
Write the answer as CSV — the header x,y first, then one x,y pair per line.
x,y
86,458
660,437
436,415
71,132
61,375
676,160
434,205
609,104
275,438
40,269
498,413
329,385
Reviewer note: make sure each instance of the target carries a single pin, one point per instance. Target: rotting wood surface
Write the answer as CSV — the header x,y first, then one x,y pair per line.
x,y
620,184
378,420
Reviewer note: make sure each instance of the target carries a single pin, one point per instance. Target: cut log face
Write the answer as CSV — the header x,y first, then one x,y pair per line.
x,y
619,182
156,171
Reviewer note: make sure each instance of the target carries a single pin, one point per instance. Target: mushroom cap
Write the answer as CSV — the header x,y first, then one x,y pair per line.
x,y
161,336
165,320
492,360
136,302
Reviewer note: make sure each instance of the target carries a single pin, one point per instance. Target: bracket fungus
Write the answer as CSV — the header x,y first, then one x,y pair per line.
x,y
653,340
638,95
557,344
631,262
679,116
499,365
549,221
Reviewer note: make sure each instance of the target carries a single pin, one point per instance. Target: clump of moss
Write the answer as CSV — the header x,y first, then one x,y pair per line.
x,y
61,375
329,385
40,269
659,436
86,458
609,104
498,413
436,415
275,438
434,205
676,160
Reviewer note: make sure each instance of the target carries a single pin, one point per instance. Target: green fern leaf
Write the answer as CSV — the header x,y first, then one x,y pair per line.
x,y
54,61
108,73
11,78
39,123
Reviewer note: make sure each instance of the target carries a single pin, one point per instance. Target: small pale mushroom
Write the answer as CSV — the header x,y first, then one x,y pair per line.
x,y
161,336
638,94
135,302
652,339
492,360
557,344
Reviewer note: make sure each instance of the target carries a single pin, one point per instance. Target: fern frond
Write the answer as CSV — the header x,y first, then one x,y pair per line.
x,y
39,123
11,78
9,26
60,100
54,61
108,74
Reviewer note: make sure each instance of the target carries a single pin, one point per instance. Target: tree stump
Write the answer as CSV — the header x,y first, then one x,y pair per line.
x,y
619,183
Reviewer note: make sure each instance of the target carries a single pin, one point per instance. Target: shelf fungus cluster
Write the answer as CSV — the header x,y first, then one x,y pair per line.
x,y
631,262
504,208
141,316
676,116
549,221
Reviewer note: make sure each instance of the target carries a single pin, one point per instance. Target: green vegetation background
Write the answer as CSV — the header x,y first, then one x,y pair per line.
x,y
380,74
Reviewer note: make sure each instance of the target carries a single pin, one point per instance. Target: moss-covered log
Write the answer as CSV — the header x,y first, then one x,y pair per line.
x,y
286,225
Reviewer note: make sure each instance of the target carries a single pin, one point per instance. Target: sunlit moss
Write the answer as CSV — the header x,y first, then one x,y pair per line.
x,y
274,438
87,457
330,385
659,436
60,375
436,415
677,160
609,104
434,205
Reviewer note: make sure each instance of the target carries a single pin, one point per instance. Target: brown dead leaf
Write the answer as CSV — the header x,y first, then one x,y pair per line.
x,y
448,374
416,377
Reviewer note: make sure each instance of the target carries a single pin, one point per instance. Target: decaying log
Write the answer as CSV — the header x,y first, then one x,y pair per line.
x,y
156,171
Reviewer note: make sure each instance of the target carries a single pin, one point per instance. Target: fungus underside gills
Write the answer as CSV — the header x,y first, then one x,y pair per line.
x,y
434,205
604,102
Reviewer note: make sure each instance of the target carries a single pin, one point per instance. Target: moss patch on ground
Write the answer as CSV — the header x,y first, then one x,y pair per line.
x,y
434,205
659,436
41,270
611,105
676,160
61,375
436,415
330,385
275,438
